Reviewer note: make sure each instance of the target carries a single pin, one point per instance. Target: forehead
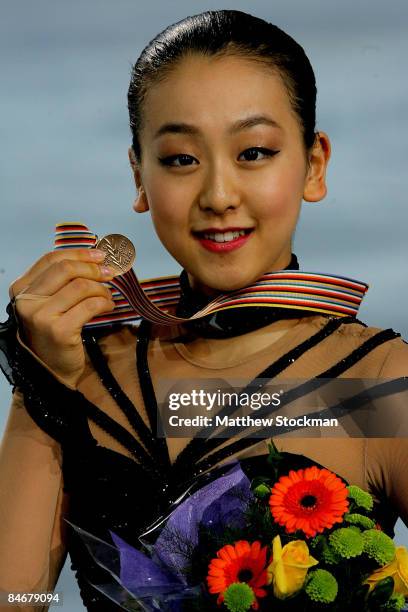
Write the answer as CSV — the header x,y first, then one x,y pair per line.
x,y
215,89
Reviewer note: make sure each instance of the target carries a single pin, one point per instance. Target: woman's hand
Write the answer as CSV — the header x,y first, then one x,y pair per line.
x,y
70,283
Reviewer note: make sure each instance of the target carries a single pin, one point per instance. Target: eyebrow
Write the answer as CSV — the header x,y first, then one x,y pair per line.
x,y
241,124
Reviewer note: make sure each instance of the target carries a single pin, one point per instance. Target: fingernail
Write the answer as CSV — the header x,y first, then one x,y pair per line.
x,y
106,271
97,255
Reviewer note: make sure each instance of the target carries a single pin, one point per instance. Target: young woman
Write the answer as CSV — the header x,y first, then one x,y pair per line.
x,y
222,112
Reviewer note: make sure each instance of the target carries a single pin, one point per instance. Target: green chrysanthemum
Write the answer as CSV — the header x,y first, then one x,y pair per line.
x,y
322,586
239,597
347,542
395,603
354,518
324,551
361,498
378,546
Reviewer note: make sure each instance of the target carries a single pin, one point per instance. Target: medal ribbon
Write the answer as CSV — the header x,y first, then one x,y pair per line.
x,y
156,299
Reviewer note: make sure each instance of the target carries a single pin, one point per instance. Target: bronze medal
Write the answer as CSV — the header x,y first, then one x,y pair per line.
x,y
120,252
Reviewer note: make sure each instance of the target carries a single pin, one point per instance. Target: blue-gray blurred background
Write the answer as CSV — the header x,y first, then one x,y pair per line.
x,y
64,136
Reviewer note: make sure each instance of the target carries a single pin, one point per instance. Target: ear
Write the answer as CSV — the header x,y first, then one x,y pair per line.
x,y
140,204
315,184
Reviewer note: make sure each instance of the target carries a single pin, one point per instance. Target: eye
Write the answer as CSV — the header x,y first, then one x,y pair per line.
x,y
254,151
184,160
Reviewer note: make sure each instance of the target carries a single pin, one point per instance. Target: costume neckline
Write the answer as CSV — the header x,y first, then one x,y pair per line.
x,y
277,346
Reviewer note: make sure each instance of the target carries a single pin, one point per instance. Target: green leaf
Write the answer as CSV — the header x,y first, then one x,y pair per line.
x,y
274,456
382,591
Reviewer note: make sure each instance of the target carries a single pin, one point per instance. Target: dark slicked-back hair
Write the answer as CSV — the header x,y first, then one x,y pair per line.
x,y
218,33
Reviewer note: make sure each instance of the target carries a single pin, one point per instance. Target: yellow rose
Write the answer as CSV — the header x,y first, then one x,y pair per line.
x,y
398,569
289,567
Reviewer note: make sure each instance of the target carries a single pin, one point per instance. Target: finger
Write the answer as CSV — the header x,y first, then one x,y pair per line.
x,y
72,322
61,273
50,258
72,294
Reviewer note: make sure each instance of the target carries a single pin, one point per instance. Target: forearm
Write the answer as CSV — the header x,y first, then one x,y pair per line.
x,y
31,506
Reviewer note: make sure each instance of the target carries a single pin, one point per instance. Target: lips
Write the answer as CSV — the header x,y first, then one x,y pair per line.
x,y
223,240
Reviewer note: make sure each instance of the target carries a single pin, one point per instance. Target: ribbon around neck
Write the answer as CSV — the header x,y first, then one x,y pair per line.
x,y
156,299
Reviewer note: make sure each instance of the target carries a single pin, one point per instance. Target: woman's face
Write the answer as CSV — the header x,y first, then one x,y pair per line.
x,y
224,170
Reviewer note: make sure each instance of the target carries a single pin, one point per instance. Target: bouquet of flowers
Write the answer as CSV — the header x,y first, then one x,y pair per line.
x,y
284,539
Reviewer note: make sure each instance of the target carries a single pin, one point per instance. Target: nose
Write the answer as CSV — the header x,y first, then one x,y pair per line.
x,y
220,190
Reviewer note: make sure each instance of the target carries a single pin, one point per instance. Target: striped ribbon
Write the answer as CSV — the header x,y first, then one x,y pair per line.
x,y
156,299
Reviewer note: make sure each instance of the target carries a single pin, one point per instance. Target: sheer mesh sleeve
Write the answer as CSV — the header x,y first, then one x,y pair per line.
x,y
387,459
51,404
32,503
11,343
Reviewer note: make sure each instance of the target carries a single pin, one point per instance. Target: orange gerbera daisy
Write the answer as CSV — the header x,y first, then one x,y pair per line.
x,y
241,562
311,500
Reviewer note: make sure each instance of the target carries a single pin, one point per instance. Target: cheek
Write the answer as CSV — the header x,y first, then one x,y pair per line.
x,y
168,202
165,209
280,196
169,219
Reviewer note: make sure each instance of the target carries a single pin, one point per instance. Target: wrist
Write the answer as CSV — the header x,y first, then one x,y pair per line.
x,y
67,381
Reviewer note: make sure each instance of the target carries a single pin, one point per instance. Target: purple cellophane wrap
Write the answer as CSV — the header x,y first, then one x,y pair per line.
x,y
138,572
214,506
217,504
